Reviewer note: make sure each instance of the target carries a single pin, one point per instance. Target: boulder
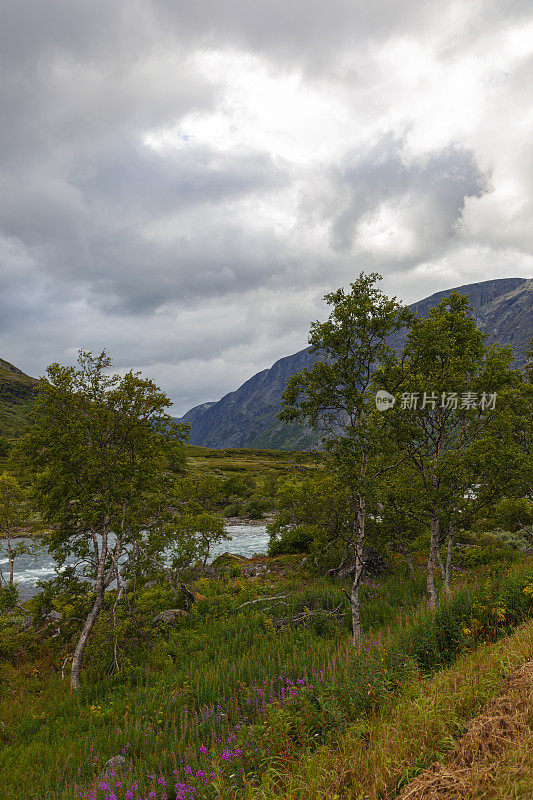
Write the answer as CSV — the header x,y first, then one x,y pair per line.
x,y
228,560
374,563
114,763
169,616
53,617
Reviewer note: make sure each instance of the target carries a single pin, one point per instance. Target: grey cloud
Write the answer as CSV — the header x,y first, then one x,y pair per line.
x,y
433,190
161,257
136,181
306,31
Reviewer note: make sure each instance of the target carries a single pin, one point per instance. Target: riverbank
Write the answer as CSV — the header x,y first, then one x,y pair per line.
x,y
264,520
247,539
228,521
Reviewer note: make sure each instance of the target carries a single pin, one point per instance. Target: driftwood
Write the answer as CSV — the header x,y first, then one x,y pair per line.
x,y
262,600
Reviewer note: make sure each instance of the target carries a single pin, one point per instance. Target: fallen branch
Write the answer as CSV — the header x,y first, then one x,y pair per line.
x,y
65,662
262,600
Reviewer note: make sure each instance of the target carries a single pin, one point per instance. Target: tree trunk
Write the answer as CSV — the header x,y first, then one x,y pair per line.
x,y
409,560
433,547
354,606
448,569
11,559
441,564
100,587
77,658
354,594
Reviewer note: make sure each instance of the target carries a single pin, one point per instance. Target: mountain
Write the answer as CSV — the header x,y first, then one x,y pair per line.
x,y
247,417
17,391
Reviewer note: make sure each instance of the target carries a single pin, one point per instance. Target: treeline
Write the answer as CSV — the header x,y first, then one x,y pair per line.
x,y
419,445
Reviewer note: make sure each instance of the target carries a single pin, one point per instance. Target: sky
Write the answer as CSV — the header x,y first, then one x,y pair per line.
x,y
182,182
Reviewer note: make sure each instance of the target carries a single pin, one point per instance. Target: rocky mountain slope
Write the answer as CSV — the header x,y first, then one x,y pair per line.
x,y
247,417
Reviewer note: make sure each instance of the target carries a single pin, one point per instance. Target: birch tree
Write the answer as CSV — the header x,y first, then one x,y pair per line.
x,y
447,385
102,455
14,513
336,397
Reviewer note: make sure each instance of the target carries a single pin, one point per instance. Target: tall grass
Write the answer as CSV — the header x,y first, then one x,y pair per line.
x,y
381,753
206,705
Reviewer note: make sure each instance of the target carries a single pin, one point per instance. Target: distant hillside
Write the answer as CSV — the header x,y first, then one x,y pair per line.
x,y
247,417
17,391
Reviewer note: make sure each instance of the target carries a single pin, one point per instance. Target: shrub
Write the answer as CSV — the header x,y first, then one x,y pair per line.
x,y
255,507
233,509
293,540
9,597
474,556
515,540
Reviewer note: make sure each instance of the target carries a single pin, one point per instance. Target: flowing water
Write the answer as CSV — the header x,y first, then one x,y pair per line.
x,y
246,539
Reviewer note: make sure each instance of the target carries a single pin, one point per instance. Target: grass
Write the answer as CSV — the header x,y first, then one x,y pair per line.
x,y
213,702
503,730
249,461
17,392
179,689
381,754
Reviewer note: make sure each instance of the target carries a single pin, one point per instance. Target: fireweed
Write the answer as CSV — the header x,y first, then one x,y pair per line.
x,y
202,713
282,711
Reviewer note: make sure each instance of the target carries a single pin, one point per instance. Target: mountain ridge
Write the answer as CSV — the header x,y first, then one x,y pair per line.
x,y
247,416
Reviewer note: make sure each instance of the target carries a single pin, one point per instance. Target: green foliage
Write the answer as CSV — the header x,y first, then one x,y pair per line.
x,y
5,446
255,507
66,592
101,447
313,511
14,510
513,539
350,343
14,513
528,369
205,528
467,557
513,513
429,642
336,397
17,392
297,539
103,458
9,597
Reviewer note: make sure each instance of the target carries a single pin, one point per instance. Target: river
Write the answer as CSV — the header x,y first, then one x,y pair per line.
x,y
246,539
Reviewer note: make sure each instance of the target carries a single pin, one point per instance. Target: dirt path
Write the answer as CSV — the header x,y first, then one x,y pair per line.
x,y
494,758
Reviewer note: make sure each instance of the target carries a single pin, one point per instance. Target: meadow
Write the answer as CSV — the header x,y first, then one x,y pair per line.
x,y
208,706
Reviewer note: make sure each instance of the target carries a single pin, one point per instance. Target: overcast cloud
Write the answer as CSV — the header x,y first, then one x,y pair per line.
x,y
181,182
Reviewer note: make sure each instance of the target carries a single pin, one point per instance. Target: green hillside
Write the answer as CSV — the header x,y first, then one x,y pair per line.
x,y
17,392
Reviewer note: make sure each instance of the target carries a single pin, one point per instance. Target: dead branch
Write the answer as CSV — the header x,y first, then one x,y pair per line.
x,y
262,600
